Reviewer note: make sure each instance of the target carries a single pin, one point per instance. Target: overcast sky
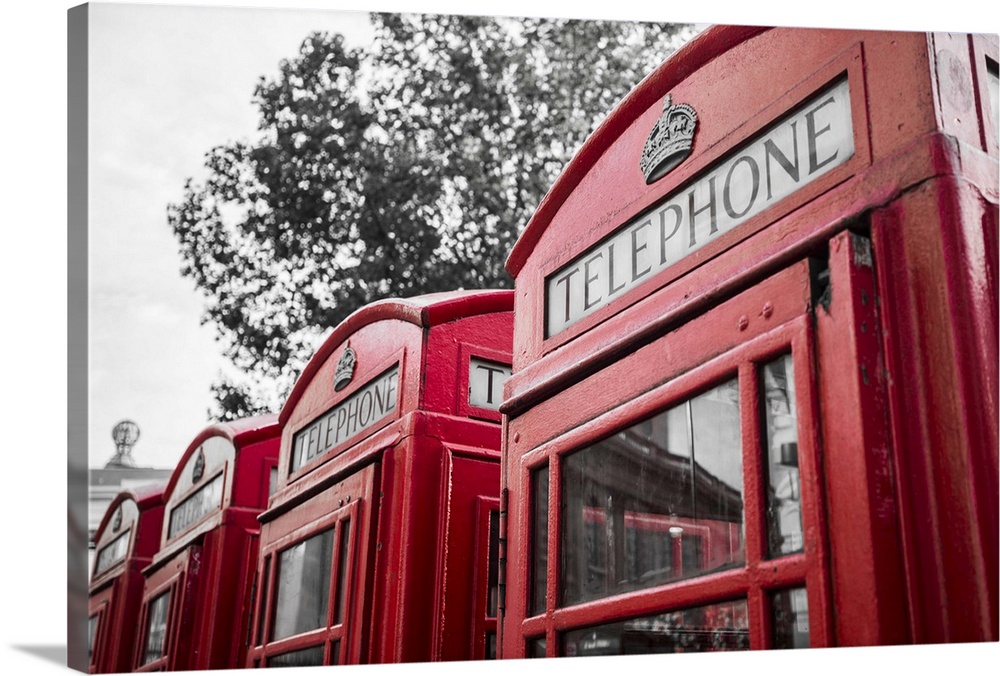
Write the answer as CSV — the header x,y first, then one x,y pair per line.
x,y
167,83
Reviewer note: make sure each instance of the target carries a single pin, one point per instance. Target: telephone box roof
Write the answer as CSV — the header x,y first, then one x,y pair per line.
x,y
240,432
144,496
706,46
424,311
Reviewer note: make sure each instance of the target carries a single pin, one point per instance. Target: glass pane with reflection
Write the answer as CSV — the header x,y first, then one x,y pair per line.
x,y
784,494
536,647
539,538
790,619
716,627
307,657
156,628
303,586
657,502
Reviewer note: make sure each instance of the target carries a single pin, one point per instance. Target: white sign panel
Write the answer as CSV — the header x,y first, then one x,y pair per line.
x,y
364,408
797,150
486,379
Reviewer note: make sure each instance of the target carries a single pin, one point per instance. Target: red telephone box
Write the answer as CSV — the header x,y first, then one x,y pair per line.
x,y
754,401
195,600
381,542
127,539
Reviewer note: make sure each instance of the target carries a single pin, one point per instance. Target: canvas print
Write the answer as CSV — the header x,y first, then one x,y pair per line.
x,y
413,338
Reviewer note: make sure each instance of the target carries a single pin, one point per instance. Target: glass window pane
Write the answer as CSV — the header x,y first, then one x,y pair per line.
x,y
491,645
784,496
657,502
335,652
272,481
539,538
536,647
264,582
721,626
307,657
156,628
303,586
91,633
790,619
343,557
492,566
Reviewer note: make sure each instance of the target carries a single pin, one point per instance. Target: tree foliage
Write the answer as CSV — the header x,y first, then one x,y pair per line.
x,y
403,168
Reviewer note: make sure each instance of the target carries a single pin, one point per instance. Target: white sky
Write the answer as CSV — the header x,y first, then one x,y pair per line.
x,y
33,251
167,83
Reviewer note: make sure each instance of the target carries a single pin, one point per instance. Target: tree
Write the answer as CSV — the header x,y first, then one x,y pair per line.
x,y
406,168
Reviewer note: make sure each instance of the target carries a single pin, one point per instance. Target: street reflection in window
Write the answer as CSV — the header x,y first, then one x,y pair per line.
x,y
790,619
156,628
307,657
657,502
539,538
784,494
303,586
716,627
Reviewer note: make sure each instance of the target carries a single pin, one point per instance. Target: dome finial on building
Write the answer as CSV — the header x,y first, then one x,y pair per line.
x,y
125,434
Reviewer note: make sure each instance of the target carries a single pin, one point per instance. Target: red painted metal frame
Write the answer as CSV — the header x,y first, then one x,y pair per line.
x,y
417,479
904,360
641,384
115,593
209,565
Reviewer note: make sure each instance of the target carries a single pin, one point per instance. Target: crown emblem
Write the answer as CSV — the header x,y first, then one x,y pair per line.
x,y
669,142
345,369
198,471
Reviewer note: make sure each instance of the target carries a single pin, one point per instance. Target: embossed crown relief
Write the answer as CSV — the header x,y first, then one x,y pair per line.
x,y
345,368
669,142
198,471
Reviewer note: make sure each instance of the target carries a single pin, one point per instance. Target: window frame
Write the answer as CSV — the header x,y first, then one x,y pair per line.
x,y
172,587
263,647
759,576
484,623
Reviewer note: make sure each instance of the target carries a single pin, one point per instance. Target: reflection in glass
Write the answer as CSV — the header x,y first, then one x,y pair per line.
x,y
265,580
493,565
303,586
307,657
539,538
156,628
343,558
536,647
721,626
790,619
657,502
784,495
91,632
